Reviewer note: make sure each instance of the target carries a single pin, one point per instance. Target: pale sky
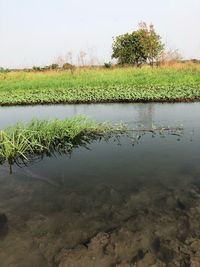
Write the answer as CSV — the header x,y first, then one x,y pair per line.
x,y
37,32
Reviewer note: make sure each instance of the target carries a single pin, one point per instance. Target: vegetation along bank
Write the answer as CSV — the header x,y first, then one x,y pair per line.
x,y
92,85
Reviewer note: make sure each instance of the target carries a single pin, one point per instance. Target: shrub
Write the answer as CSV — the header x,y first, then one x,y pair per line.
x,y
108,65
68,66
35,68
54,66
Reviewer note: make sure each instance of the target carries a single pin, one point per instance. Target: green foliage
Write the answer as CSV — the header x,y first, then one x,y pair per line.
x,y
54,66
196,61
68,66
108,65
36,68
39,137
100,85
49,67
2,70
138,47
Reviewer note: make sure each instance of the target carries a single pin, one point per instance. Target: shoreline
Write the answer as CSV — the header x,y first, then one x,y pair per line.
x,y
80,102
91,86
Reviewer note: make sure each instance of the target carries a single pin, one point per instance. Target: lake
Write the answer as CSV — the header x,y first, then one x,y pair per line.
x,y
113,203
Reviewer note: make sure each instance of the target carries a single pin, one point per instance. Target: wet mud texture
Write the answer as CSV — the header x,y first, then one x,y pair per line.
x,y
154,223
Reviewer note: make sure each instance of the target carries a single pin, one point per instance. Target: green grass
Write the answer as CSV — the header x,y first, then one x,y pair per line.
x,y
22,141
101,85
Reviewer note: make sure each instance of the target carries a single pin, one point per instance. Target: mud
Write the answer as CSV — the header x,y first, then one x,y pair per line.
x,y
155,223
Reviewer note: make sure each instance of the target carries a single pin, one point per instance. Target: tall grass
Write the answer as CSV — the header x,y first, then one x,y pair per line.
x,y
176,83
39,137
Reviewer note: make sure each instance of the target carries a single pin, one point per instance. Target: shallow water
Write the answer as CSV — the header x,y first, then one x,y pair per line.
x,y
113,204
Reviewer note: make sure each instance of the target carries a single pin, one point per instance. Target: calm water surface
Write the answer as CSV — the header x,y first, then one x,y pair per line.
x,y
113,204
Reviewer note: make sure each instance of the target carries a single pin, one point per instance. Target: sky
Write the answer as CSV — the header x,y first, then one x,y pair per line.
x,y
40,32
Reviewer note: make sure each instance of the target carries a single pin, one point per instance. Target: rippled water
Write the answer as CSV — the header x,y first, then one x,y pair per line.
x,y
113,204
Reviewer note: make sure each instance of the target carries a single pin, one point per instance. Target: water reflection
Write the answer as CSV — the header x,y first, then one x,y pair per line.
x,y
131,113
112,205
146,115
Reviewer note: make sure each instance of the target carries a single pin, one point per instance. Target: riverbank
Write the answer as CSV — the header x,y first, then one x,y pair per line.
x,y
86,85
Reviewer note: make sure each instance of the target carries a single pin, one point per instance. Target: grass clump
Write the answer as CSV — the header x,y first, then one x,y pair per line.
x,y
181,83
39,137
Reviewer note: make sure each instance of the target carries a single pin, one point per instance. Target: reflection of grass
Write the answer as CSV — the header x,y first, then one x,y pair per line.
x,y
98,85
38,137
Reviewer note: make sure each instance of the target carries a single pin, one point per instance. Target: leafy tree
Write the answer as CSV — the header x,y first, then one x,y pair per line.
x,y
141,46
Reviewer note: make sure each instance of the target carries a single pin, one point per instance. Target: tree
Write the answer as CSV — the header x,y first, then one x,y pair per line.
x,y
141,46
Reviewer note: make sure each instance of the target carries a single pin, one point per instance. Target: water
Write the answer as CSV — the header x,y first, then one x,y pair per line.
x,y
113,204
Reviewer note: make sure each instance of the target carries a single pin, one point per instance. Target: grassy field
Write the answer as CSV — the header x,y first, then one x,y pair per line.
x,y
177,83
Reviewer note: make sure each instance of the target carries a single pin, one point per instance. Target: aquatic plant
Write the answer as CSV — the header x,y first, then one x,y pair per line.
x,y
47,137
39,137
101,85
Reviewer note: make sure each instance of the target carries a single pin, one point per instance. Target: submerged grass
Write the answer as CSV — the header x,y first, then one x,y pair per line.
x,y
180,83
39,137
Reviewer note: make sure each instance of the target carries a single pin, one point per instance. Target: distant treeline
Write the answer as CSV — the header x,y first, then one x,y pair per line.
x,y
66,66
71,67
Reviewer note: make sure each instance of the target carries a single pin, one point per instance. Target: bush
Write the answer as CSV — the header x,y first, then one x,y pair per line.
x,y
2,70
107,65
54,66
68,66
195,60
35,68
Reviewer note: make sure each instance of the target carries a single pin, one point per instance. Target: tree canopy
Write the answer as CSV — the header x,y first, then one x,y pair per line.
x,y
141,46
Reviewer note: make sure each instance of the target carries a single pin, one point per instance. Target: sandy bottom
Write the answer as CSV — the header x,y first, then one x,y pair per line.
x,y
151,224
